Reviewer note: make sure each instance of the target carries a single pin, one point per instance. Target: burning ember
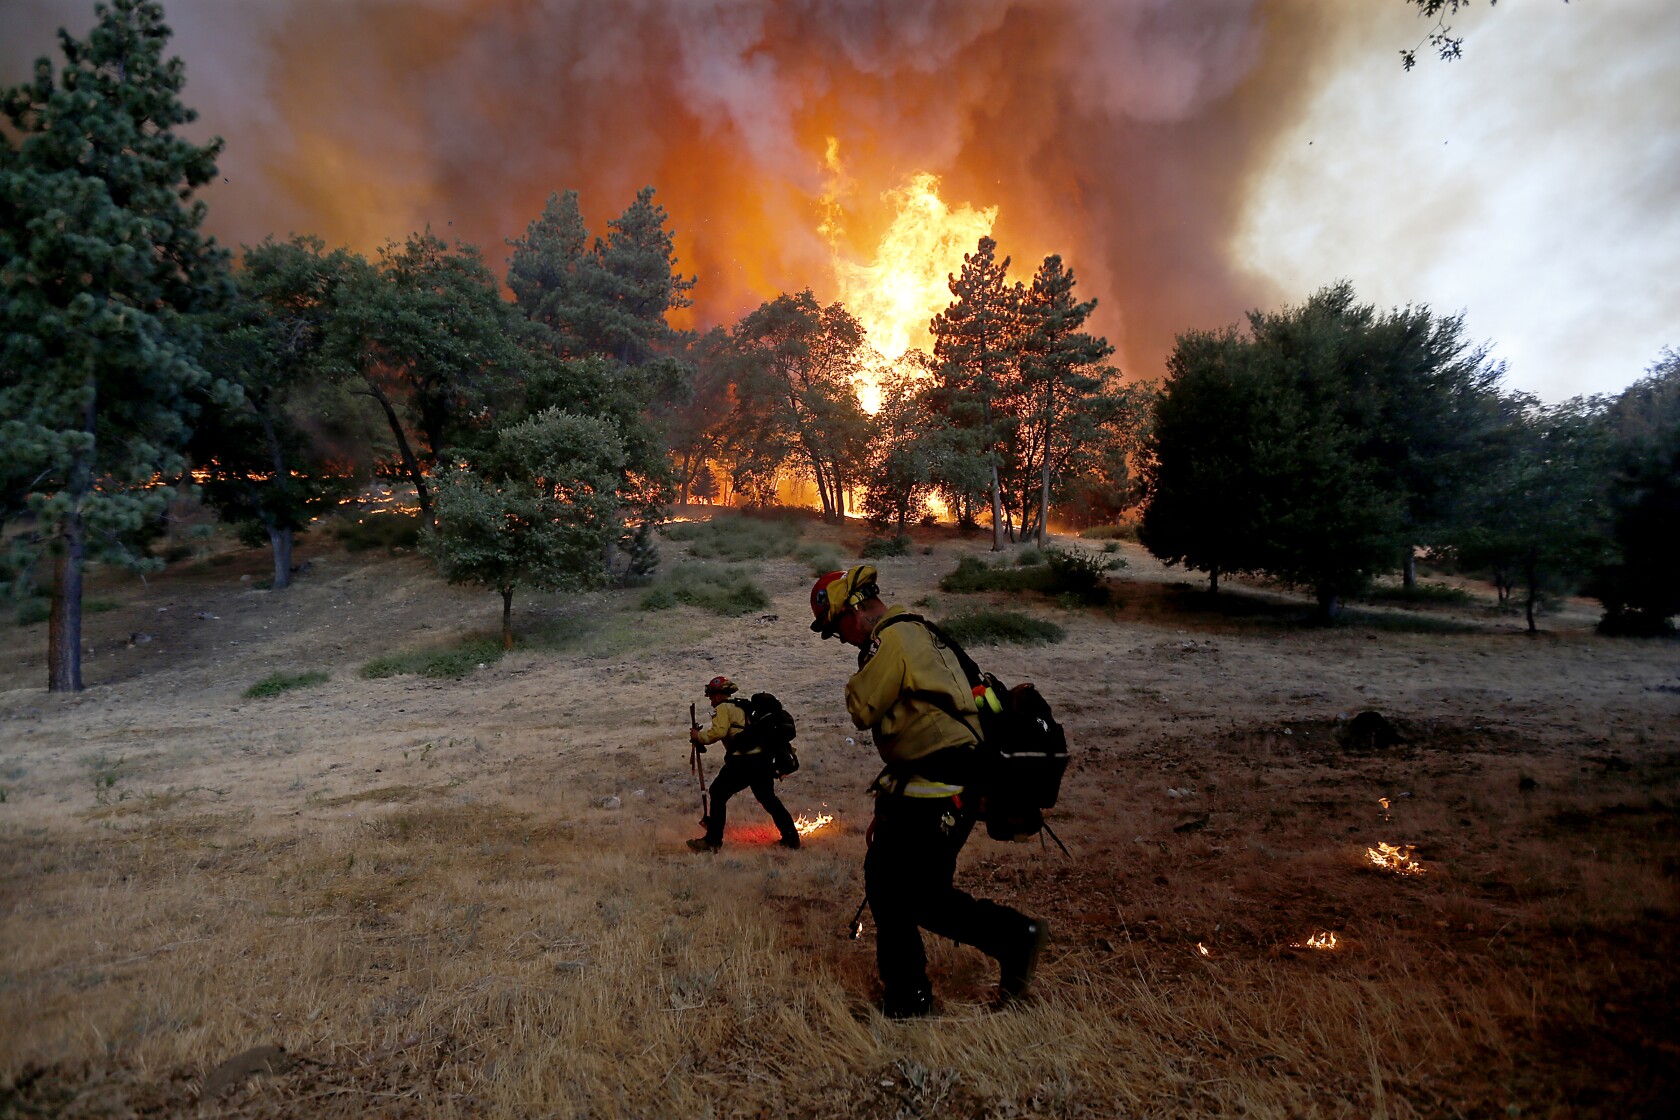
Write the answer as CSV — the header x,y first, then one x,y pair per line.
x,y
1395,858
807,825
1325,940
1202,949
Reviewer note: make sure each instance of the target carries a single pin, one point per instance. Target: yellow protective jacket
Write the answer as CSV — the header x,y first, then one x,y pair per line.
x,y
728,721
906,689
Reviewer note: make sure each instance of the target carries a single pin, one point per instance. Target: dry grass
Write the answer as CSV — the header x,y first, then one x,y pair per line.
x,y
434,919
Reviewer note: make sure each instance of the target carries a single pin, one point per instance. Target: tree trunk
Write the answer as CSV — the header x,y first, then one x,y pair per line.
x,y
1532,578
410,463
1044,496
997,512
281,540
1329,605
1213,581
1408,569
507,618
64,628
1044,483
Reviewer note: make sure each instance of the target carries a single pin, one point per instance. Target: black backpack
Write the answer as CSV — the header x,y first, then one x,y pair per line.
x,y
1022,753
770,729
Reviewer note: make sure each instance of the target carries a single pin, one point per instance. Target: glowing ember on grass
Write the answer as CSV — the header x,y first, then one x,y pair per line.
x,y
807,825
1202,949
1325,940
1395,858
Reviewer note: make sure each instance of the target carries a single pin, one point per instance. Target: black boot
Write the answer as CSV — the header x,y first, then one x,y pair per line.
x,y
910,1005
701,844
1016,967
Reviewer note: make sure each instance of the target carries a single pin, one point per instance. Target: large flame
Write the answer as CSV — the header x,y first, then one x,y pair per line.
x,y
895,295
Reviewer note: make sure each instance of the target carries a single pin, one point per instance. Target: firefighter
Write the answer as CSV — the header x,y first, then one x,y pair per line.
x,y
908,691
745,766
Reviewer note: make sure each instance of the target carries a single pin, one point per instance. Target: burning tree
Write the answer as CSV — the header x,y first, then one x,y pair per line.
x,y
102,266
797,380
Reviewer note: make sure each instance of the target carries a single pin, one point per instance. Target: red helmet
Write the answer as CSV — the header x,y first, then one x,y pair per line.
x,y
838,592
720,685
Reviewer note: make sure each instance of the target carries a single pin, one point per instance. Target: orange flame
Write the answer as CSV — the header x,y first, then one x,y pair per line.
x,y
807,825
894,296
1395,858
1324,940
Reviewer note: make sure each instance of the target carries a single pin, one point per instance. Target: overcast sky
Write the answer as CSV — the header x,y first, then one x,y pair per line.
x,y
1190,159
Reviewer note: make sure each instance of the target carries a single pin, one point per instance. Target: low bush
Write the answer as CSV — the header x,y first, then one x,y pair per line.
x,y
819,559
1421,595
973,574
990,628
876,547
1062,574
1075,573
734,538
1110,533
276,683
721,589
447,662
31,611
1029,556
379,530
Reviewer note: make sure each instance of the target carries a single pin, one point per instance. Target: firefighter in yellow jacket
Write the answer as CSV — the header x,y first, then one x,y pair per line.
x,y
911,692
744,767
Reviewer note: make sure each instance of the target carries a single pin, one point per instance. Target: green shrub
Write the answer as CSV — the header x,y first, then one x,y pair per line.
x,y
31,611
1076,573
876,547
276,683
727,537
1111,546
973,574
1110,533
721,589
819,559
981,628
448,662
1029,556
1422,595
379,530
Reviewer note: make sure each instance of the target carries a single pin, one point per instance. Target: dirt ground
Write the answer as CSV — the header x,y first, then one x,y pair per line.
x,y
1217,811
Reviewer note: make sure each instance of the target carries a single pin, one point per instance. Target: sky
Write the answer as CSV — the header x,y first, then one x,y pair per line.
x,y
1189,159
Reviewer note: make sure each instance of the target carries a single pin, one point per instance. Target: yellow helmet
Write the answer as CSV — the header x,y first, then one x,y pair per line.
x,y
838,592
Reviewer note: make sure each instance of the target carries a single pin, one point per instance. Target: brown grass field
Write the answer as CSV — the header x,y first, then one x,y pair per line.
x,y
410,892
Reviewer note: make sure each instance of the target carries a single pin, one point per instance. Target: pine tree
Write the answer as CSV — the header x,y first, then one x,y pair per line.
x,y
1059,369
974,341
102,265
258,456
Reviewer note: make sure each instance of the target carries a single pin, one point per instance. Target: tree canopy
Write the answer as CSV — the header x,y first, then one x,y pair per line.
x,y
104,269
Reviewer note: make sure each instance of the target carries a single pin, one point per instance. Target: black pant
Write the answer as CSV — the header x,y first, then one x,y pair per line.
x,y
907,878
741,772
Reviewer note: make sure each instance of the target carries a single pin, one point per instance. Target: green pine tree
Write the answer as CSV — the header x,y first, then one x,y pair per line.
x,y
974,340
102,266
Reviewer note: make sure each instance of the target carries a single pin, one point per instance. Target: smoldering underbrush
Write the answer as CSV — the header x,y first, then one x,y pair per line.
x,y
436,957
